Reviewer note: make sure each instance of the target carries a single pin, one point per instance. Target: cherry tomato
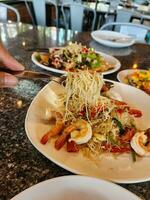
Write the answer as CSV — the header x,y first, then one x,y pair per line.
x,y
72,147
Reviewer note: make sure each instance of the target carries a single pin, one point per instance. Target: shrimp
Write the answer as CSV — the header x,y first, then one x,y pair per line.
x,y
61,140
80,131
141,143
53,132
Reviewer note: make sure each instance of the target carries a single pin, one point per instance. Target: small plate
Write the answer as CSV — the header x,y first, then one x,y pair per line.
x,y
122,74
75,187
110,59
112,39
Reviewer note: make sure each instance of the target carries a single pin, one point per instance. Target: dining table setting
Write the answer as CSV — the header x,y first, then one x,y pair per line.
x,y
28,158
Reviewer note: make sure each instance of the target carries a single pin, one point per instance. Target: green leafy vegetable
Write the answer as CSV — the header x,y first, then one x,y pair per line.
x,y
118,123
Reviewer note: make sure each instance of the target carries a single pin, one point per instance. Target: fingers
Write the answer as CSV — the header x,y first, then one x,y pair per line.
x,y
7,80
8,61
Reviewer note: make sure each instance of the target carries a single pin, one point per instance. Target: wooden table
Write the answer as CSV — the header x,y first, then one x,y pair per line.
x,y
21,165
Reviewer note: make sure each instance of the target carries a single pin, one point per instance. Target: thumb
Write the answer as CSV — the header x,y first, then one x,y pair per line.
x,y
7,80
9,61
12,64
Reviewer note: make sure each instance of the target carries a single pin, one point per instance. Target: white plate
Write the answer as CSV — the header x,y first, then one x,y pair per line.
x,y
121,169
112,38
122,74
112,60
75,187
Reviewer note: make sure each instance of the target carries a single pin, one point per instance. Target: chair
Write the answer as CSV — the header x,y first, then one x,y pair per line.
x,y
137,31
4,11
113,7
128,15
29,11
40,10
144,17
124,15
77,15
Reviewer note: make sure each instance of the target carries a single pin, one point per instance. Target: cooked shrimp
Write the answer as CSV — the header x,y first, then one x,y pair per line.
x,y
80,131
53,132
141,143
61,140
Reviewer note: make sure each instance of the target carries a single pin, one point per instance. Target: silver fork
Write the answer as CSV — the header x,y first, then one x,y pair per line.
x,y
26,74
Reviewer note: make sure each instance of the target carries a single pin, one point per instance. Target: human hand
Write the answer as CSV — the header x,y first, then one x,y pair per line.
x,y
7,61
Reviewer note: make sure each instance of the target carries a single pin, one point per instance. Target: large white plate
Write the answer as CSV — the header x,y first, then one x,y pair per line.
x,y
112,38
121,169
112,60
75,187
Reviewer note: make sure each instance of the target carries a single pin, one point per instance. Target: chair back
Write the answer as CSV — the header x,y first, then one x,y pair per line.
x,y
4,10
110,16
137,31
77,11
113,5
124,15
40,10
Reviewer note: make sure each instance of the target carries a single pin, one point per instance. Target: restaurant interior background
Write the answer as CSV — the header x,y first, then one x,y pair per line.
x,y
27,14
21,164
96,13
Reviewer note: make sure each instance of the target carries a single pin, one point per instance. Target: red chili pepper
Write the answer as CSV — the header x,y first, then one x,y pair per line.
x,y
116,149
96,110
85,50
120,111
127,135
120,103
135,112
82,113
120,150
72,147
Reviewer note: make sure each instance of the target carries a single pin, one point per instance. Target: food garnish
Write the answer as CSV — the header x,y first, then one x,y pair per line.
x,y
93,121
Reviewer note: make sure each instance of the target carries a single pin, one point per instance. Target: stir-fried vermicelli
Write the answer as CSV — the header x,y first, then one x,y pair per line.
x,y
93,120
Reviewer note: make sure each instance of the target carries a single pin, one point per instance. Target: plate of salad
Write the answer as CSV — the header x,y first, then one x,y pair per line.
x,y
94,127
75,57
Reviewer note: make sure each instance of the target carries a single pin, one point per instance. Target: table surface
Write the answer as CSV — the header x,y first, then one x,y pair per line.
x,y
21,165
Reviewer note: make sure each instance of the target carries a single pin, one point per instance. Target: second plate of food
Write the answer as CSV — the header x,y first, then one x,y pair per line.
x,y
73,57
112,38
138,78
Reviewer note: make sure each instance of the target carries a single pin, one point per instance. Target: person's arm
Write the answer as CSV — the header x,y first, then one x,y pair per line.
x,y
6,60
